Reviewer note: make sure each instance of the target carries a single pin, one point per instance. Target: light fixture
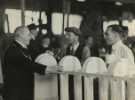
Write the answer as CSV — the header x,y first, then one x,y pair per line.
x,y
81,0
118,3
44,31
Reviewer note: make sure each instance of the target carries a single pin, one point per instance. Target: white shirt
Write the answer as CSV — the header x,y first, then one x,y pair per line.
x,y
75,46
120,50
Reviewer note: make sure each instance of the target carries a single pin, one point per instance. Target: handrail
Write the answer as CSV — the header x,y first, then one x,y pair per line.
x,y
105,75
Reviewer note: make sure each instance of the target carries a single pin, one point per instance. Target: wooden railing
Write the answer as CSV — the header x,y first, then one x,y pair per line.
x,y
110,87
77,82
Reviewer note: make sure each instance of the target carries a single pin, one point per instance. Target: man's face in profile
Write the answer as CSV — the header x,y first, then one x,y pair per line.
x,y
46,41
34,33
26,36
110,36
90,41
71,37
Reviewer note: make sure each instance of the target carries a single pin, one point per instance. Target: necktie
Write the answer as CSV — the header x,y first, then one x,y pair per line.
x,y
109,49
26,54
71,50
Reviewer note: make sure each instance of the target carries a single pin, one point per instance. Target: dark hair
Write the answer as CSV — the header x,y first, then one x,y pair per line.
x,y
75,30
125,28
32,26
44,37
125,31
117,29
87,36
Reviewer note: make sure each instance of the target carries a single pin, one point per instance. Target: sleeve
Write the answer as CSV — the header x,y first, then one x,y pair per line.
x,y
16,59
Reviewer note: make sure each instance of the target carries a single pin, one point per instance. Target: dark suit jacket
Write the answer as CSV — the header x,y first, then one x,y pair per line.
x,y
78,52
34,48
19,73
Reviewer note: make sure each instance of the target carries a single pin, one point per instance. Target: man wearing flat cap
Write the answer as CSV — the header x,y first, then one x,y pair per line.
x,y
33,30
74,48
34,42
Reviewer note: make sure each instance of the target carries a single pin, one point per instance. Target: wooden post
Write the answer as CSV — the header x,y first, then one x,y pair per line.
x,y
23,12
66,13
2,21
49,18
94,65
70,63
46,86
103,89
88,89
117,89
130,89
63,24
64,89
78,87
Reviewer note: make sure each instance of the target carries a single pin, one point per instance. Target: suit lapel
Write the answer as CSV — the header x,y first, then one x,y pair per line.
x,y
22,50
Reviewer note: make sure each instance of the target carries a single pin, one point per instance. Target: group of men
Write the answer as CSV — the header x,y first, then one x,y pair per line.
x,y
114,36
19,67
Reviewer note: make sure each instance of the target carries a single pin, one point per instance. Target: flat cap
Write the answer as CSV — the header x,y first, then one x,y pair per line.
x,y
32,26
75,30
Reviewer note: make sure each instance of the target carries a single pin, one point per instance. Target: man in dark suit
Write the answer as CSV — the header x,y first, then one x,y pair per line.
x,y
74,48
19,68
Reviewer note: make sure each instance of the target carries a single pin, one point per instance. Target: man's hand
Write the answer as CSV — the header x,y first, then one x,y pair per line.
x,y
54,68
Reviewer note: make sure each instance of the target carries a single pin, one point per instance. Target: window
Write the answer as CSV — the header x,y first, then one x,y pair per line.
x,y
14,18
107,23
33,17
75,20
131,27
57,22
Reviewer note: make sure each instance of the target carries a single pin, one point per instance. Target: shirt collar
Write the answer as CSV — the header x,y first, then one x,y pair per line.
x,y
76,46
114,46
24,46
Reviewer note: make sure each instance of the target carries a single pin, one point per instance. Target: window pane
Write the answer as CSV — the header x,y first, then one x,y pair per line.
x,y
57,19
75,20
14,17
131,27
107,23
57,22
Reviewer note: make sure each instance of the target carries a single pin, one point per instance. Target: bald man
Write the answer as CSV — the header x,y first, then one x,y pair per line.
x,y
19,68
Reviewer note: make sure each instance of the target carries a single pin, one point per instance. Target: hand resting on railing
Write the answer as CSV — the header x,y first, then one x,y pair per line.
x,y
122,67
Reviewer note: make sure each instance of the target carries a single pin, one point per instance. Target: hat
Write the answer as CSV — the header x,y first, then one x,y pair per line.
x,y
75,30
32,26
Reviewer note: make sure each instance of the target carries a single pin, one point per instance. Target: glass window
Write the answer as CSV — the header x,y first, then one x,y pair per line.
x,y
107,23
14,18
33,17
57,22
75,20
131,27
